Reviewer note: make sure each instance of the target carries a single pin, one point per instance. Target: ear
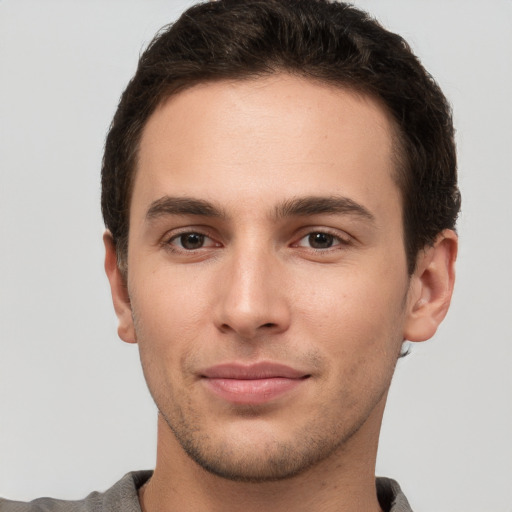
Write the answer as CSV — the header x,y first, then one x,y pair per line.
x,y
119,289
431,287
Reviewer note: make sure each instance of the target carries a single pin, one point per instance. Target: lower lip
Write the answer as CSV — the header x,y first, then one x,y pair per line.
x,y
252,391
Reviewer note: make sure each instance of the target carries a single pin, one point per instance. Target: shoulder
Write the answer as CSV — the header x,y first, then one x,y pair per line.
x,y
391,497
121,497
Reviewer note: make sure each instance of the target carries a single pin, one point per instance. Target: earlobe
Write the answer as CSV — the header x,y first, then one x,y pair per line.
x,y
431,287
119,290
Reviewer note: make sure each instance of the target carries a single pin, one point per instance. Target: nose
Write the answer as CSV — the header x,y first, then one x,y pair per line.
x,y
252,298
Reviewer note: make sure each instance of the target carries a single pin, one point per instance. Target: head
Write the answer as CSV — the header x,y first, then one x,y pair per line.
x,y
279,185
332,43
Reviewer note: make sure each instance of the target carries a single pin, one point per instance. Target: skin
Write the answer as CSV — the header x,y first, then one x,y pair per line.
x,y
323,290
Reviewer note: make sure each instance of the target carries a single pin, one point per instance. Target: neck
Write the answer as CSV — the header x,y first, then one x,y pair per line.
x,y
343,482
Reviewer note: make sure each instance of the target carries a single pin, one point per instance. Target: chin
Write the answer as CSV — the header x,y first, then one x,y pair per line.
x,y
281,464
259,457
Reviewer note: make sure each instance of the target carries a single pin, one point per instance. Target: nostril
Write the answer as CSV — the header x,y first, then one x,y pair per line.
x,y
269,325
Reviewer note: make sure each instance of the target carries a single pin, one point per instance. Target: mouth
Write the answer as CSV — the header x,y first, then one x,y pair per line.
x,y
252,384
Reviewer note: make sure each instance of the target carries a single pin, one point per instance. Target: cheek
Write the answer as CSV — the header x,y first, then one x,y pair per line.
x,y
357,326
169,314
169,302
164,330
352,311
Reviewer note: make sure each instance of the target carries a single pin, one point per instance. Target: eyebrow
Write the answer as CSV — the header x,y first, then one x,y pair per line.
x,y
296,207
169,205
313,205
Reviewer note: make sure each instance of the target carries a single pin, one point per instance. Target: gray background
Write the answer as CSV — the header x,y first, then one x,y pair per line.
x,y
74,411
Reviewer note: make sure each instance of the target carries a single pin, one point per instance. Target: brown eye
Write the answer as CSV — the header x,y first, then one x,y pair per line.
x,y
189,241
320,240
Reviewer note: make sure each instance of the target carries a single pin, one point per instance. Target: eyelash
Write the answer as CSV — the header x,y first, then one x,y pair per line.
x,y
338,241
167,242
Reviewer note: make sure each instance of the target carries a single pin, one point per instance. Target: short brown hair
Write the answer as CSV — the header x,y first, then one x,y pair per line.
x,y
328,41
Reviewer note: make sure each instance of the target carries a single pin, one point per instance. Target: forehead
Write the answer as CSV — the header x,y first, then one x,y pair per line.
x,y
269,138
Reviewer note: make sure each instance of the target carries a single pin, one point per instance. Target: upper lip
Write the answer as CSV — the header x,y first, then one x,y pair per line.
x,y
262,370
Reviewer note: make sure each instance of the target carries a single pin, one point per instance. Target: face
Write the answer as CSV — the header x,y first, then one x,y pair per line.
x,y
267,278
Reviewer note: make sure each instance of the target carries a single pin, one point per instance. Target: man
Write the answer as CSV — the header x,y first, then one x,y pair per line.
x,y
279,189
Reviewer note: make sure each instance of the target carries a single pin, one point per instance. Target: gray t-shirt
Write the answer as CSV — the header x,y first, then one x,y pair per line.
x,y
122,497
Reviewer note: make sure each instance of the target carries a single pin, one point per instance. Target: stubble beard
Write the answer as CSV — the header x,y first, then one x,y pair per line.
x,y
275,460
308,446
